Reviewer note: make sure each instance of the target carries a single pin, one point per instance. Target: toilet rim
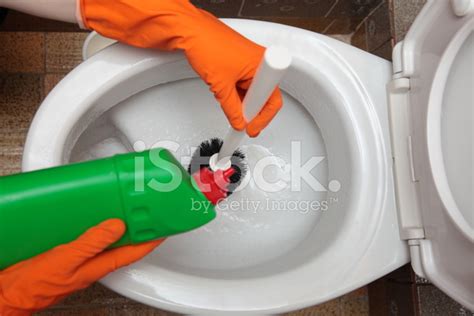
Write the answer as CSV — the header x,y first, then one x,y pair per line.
x,y
106,70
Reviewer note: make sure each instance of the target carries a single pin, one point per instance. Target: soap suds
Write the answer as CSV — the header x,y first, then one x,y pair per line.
x,y
252,226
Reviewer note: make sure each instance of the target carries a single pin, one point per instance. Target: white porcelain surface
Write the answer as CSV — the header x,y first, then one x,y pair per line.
x,y
94,43
244,262
437,57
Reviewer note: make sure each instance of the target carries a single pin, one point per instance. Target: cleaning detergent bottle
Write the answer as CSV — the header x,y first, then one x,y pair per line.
x,y
150,191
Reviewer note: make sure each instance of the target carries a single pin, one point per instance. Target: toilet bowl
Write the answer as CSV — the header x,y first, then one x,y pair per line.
x,y
274,251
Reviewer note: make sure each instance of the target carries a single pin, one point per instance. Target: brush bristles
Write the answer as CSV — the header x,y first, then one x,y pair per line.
x,y
212,146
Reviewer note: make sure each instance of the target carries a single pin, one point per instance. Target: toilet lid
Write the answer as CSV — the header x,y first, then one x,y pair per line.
x,y
438,57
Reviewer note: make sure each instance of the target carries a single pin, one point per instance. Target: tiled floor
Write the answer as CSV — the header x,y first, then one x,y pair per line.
x,y
31,63
97,300
374,33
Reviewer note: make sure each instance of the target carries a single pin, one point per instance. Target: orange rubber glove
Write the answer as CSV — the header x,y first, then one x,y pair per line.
x,y
224,59
39,282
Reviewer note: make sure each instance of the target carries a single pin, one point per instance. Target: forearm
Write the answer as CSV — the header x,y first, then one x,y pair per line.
x,y
60,10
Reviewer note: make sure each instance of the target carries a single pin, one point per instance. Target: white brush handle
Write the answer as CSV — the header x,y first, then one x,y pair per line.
x,y
273,66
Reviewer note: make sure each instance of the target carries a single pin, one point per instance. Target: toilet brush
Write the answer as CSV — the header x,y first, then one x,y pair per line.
x,y
216,154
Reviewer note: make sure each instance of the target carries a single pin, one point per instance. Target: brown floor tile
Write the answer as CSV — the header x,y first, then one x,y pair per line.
x,y
317,25
50,81
394,294
384,51
355,307
403,274
355,303
359,38
96,294
98,300
378,27
359,293
101,301
222,8
21,52
63,51
331,308
354,8
343,25
11,153
112,310
434,302
285,8
20,95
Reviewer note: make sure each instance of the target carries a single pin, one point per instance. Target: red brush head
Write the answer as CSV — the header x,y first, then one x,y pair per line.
x,y
214,185
202,155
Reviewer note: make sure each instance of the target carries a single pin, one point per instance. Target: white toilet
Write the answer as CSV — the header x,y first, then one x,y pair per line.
x,y
397,165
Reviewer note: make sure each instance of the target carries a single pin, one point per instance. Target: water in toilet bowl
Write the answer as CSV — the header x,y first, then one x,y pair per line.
x,y
266,217
258,223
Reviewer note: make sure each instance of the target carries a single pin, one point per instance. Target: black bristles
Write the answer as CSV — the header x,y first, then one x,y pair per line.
x,y
212,146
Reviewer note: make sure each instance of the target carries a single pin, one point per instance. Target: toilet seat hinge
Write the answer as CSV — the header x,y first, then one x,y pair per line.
x,y
408,207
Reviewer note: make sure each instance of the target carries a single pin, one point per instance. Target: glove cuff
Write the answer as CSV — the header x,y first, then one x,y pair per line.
x,y
162,24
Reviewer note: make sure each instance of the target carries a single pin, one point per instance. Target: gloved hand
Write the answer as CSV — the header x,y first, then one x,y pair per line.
x,y
223,58
39,282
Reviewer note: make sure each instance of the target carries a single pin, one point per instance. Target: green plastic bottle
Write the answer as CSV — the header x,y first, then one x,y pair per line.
x,y
150,191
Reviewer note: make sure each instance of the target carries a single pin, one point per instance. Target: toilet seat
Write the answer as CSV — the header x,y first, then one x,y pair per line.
x,y
352,259
431,101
